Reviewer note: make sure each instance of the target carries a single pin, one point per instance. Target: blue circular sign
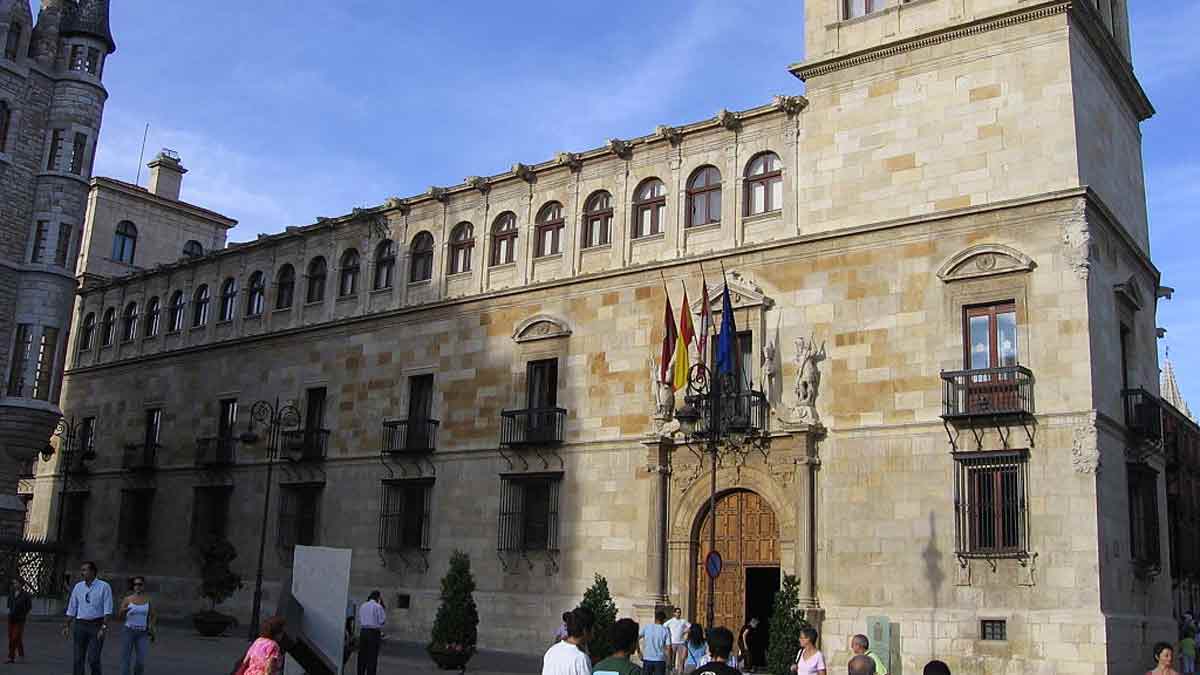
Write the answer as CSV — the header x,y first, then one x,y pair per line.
x,y
713,564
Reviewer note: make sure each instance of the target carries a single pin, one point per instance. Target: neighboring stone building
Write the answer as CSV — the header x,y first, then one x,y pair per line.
x,y
51,103
953,220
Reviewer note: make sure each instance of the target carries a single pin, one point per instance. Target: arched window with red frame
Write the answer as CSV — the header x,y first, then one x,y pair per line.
x,y
649,208
704,197
549,223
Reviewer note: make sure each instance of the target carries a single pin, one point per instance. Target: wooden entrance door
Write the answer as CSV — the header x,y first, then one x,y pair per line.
x,y
747,536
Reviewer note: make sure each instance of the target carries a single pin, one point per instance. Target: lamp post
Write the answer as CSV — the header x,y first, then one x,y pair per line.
x,y
275,419
73,436
720,419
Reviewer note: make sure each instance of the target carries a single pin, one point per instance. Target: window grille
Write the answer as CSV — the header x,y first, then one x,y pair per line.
x,y
74,517
404,515
993,629
299,508
990,503
133,529
1143,517
210,513
62,245
529,505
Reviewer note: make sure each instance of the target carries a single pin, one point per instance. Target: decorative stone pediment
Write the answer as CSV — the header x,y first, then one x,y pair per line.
x,y
541,327
985,260
743,293
1131,293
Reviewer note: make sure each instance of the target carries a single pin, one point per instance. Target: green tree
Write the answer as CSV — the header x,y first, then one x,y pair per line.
x,y
786,622
217,580
455,629
599,600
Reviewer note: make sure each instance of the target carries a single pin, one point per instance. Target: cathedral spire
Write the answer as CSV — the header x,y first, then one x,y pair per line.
x,y
1169,387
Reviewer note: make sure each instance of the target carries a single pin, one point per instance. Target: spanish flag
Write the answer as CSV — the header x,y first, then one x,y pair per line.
x,y
687,335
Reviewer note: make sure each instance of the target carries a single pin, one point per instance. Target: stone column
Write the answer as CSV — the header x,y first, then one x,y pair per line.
x,y
658,466
806,463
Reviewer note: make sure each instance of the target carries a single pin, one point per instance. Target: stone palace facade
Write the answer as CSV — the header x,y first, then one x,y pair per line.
x,y
945,242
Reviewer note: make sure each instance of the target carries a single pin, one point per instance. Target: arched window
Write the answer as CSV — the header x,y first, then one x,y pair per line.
x,y
228,299
462,247
151,320
549,230
200,306
255,291
597,220
192,249
764,184
108,326
649,208
348,274
129,322
88,334
421,268
504,239
285,287
316,280
124,242
5,123
704,197
175,317
385,265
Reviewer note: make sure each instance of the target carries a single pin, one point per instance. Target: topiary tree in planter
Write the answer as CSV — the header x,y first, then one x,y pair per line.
x,y
786,622
599,600
218,582
455,629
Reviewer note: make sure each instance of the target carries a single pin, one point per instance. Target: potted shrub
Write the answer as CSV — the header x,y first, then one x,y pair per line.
x,y
217,583
786,621
599,600
455,628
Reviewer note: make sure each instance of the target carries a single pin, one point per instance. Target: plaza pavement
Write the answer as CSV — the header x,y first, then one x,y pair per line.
x,y
180,651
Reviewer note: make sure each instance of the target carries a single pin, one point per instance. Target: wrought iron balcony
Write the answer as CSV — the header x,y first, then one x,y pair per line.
x,y
140,457
988,392
213,451
532,426
410,436
1143,415
305,445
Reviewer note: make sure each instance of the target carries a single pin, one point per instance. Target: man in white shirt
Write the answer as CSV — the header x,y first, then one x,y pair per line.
x,y
87,614
371,618
569,657
678,629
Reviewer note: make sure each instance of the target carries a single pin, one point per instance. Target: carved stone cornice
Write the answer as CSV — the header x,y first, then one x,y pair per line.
x,y
669,134
399,204
570,160
729,120
524,172
791,105
620,148
481,184
437,193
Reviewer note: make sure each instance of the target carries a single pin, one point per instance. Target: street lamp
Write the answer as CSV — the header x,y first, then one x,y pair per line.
x,y
721,420
73,436
275,419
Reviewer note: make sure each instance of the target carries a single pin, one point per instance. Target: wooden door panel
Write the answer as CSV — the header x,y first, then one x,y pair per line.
x,y
747,533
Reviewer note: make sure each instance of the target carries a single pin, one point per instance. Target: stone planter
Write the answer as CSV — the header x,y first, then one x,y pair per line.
x,y
212,623
451,660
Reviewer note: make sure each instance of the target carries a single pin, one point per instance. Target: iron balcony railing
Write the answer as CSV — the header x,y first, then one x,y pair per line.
x,y
405,436
215,450
140,457
306,445
743,411
1143,414
989,392
532,426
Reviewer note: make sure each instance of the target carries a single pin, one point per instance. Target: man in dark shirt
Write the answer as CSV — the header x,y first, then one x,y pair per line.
x,y
624,638
720,644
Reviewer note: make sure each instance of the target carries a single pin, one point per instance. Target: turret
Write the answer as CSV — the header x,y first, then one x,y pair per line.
x,y
43,44
88,18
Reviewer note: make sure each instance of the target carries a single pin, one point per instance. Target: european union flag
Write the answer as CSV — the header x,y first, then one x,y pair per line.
x,y
727,339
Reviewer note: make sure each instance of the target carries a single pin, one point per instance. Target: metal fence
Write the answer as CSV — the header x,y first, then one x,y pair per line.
x,y
40,564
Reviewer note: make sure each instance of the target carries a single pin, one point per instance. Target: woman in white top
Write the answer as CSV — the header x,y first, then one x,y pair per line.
x,y
139,618
809,660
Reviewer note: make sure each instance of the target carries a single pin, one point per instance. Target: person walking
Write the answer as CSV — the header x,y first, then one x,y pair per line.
x,y
936,667
676,654
696,648
860,664
20,604
88,611
1187,653
748,643
720,646
809,660
861,646
264,656
140,621
624,637
655,639
569,657
371,618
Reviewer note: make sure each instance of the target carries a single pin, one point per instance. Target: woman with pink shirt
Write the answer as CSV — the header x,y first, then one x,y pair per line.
x,y
809,660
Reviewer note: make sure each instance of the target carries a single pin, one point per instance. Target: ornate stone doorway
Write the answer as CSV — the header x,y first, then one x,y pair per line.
x,y
748,540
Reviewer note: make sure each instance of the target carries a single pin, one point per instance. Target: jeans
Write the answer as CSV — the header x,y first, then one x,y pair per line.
x,y
654,667
88,646
368,651
134,644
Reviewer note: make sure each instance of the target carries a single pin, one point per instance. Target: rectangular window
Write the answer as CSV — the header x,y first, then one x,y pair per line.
x,y
39,242
993,629
62,245
47,353
56,148
542,384
1126,339
5,123
78,60
153,427
78,151
743,351
991,335
93,60
12,44
86,442
299,509
856,8
210,514
529,512
22,348
74,518
227,422
990,503
314,405
133,528
404,516
1143,517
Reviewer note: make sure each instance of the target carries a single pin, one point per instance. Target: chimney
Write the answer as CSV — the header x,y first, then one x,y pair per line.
x,y
166,174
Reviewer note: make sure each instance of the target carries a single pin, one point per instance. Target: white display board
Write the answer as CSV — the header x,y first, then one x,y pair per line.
x,y
321,584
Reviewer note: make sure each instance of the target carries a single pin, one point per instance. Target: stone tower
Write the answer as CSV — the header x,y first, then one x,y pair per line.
x,y
51,102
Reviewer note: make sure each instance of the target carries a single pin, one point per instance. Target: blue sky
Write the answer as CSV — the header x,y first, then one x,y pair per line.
x,y
285,110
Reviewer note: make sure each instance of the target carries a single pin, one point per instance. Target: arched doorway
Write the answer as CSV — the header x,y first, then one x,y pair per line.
x,y
748,541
